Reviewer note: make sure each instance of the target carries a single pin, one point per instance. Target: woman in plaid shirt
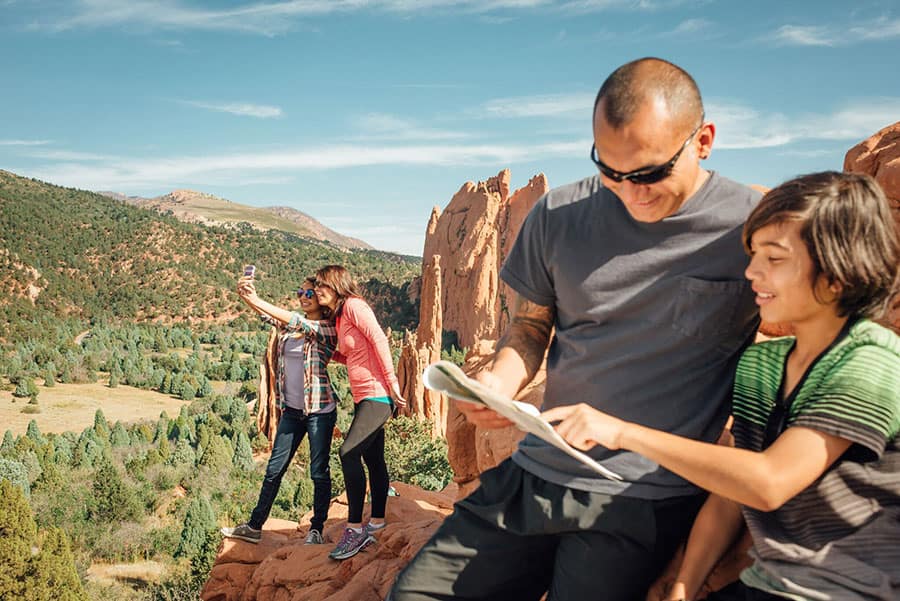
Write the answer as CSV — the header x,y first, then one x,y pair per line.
x,y
307,401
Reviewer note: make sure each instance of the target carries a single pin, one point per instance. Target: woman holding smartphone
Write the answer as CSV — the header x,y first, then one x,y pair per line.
x,y
375,390
308,405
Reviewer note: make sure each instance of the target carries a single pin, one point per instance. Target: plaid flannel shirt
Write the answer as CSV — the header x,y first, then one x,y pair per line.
x,y
318,347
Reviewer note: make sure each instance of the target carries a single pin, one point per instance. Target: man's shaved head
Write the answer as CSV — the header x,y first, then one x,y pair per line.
x,y
634,84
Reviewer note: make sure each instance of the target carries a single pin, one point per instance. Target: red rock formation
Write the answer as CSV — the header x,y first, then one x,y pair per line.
x,y
282,568
879,156
473,235
423,348
470,239
268,413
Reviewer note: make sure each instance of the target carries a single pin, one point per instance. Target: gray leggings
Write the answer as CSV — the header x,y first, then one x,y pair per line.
x,y
365,442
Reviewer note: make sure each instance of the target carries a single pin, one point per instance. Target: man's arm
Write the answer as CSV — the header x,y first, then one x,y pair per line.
x,y
519,355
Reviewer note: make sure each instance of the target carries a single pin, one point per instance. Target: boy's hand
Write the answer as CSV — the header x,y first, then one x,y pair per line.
x,y
584,427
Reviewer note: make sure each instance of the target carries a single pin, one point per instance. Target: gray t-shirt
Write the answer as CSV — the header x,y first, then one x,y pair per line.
x,y
650,320
294,369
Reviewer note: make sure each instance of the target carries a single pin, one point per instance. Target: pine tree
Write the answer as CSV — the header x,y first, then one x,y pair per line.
x,y
88,450
113,501
118,436
55,570
101,426
164,449
187,392
183,454
237,413
26,576
198,523
217,454
243,454
25,388
15,473
19,536
34,433
9,443
162,428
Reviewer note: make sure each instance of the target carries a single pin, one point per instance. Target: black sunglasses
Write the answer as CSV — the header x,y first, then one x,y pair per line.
x,y
644,175
307,293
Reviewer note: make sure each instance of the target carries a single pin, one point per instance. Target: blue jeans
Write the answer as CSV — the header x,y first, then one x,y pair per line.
x,y
294,425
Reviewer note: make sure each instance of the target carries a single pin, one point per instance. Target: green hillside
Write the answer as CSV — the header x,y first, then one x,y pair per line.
x,y
70,258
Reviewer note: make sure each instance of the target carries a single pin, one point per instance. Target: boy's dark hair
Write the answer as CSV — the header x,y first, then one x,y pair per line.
x,y
848,230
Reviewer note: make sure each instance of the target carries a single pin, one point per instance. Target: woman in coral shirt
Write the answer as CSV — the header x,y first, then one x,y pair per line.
x,y
373,384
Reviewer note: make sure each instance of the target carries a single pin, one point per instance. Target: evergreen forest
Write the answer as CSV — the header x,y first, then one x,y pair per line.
x,y
100,291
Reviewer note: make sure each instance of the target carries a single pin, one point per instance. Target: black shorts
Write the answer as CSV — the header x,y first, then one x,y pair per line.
x,y
518,536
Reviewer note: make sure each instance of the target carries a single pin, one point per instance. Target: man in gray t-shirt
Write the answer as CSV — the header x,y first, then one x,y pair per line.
x,y
638,274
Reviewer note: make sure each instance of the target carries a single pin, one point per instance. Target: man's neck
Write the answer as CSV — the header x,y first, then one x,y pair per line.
x,y
702,176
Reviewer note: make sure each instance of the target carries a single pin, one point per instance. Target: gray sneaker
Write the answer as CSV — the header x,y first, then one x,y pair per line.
x,y
351,544
314,538
373,528
243,532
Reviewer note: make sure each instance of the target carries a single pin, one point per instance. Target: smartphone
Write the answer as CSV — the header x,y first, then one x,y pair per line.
x,y
249,271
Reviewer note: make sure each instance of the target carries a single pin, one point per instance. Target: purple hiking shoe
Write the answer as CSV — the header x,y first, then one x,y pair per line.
x,y
351,543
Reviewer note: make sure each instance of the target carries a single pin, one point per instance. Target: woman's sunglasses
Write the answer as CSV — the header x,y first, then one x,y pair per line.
x,y
306,293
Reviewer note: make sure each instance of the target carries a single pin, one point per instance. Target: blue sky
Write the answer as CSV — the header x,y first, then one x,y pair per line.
x,y
366,114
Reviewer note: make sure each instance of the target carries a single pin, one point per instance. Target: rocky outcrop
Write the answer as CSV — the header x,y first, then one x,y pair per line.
x,y
282,568
879,156
472,235
267,411
472,450
511,219
422,348
460,289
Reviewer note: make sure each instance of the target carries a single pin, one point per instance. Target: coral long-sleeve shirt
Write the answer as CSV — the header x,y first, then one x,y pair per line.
x,y
362,342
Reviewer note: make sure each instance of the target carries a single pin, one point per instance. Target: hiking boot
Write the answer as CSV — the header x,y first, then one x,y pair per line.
x,y
243,532
314,538
351,543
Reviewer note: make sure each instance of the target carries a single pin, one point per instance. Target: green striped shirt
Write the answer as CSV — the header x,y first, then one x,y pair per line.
x,y
840,537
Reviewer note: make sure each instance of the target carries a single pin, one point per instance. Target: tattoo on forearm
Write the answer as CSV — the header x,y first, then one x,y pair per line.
x,y
529,332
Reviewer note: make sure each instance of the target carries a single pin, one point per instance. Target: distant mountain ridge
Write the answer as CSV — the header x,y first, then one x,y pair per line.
x,y
70,259
192,206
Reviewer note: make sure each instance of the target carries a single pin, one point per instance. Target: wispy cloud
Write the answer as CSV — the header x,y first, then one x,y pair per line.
x,y
266,18
244,109
741,127
278,17
691,26
24,142
140,174
383,126
68,155
803,35
548,105
827,35
585,6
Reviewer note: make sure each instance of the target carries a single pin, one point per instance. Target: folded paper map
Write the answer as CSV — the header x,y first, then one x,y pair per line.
x,y
448,378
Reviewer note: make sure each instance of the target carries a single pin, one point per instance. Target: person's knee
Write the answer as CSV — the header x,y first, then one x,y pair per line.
x,y
349,453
